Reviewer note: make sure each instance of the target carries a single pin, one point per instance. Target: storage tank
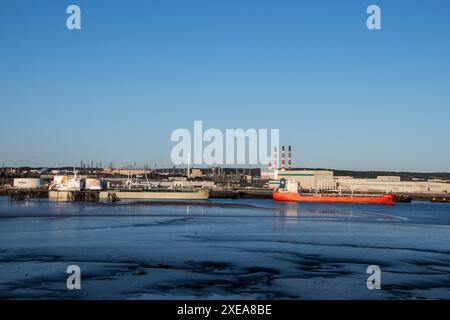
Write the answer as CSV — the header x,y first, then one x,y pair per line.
x,y
27,183
75,184
93,184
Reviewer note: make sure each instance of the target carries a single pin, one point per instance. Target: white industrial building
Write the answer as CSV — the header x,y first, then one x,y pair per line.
x,y
307,179
391,184
325,180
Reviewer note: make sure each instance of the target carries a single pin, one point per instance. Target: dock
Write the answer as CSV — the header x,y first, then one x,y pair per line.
x,y
27,194
430,197
68,196
238,193
77,195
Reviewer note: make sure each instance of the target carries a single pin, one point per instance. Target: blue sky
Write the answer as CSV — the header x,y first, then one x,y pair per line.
x,y
345,97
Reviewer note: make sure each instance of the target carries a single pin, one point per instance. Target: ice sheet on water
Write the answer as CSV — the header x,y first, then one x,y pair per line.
x,y
225,249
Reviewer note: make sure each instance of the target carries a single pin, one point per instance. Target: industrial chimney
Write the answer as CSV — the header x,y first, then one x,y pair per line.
x,y
283,161
289,158
275,158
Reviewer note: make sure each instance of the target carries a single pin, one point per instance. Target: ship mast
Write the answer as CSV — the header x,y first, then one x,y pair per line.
x,y
189,166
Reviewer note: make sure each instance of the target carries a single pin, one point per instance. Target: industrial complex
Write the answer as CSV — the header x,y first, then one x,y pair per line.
x,y
219,181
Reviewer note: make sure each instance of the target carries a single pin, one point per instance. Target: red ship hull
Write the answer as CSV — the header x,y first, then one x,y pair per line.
x,y
296,197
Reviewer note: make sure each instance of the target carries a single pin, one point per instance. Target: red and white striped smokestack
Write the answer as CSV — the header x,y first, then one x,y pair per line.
x,y
283,161
289,158
275,158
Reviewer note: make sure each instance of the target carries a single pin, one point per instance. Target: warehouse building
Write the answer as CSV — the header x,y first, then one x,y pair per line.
x,y
391,184
307,179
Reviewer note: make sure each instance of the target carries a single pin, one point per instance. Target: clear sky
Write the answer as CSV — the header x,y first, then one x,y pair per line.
x,y
345,97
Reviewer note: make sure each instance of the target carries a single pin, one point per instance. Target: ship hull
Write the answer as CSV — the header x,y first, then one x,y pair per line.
x,y
387,199
154,195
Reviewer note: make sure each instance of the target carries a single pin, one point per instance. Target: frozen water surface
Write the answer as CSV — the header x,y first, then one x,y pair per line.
x,y
224,249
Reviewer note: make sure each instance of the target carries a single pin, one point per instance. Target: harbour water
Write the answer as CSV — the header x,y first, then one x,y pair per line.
x,y
223,249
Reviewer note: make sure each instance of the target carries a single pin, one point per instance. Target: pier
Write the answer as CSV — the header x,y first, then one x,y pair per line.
x,y
84,196
69,196
27,194
439,197
77,195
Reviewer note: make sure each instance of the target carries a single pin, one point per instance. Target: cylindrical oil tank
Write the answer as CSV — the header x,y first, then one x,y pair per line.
x,y
93,184
27,183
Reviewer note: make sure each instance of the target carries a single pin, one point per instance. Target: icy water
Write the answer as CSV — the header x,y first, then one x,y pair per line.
x,y
220,249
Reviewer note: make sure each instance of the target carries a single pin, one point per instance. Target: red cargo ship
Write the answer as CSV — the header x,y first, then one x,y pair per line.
x,y
288,191
322,198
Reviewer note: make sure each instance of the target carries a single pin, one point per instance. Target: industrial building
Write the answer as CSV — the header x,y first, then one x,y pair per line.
x,y
309,179
320,180
391,184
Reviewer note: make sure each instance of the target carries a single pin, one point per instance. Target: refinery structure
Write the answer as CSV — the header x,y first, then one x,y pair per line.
x,y
325,180
307,179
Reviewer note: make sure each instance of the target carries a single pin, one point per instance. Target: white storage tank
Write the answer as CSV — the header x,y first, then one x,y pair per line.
x,y
27,183
75,184
93,184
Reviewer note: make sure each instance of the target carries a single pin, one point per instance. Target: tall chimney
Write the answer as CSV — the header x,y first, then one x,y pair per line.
x,y
289,158
275,158
283,167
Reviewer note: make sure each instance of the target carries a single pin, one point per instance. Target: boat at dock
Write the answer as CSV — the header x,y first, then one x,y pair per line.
x,y
321,198
289,192
145,191
154,194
